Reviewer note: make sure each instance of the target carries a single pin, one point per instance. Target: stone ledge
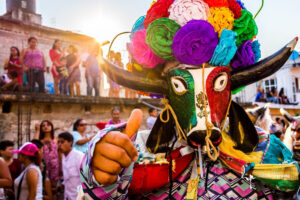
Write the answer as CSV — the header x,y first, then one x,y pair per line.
x,y
64,99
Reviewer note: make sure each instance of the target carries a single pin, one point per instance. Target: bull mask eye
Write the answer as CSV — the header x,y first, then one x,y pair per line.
x,y
179,85
221,82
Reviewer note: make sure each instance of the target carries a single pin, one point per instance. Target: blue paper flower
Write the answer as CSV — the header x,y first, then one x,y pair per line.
x,y
256,50
225,50
138,25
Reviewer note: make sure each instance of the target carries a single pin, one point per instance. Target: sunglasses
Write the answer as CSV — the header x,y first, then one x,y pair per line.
x,y
82,124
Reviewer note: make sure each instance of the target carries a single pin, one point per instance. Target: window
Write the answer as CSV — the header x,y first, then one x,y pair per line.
x,y
24,4
270,84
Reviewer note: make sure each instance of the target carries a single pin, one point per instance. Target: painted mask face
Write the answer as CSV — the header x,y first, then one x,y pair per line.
x,y
198,99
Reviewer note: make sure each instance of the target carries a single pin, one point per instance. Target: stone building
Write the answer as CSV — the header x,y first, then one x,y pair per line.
x,y
21,21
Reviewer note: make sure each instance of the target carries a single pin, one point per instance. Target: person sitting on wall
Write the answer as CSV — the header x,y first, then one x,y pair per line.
x,y
13,85
272,96
260,97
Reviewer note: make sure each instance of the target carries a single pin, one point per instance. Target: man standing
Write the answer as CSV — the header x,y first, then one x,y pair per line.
x,y
71,161
152,118
93,72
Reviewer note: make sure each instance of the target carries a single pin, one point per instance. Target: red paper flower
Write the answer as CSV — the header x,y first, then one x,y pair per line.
x,y
235,8
217,3
158,10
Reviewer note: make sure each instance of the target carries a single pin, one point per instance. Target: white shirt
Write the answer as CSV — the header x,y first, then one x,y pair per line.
x,y
150,122
71,164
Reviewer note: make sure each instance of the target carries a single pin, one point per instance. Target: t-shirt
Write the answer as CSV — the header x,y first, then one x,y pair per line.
x,y
71,172
258,96
77,136
93,67
150,122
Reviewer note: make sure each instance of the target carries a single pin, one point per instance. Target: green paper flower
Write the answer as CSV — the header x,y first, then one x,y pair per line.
x,y
245,27
160,35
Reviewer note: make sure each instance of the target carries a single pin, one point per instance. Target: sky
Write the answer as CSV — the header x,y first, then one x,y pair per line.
x,y
278,23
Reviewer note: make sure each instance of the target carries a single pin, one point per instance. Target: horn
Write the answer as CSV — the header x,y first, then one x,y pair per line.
x,y
127,79
262,69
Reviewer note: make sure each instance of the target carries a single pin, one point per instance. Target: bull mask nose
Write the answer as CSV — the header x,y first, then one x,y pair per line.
x,y
198,137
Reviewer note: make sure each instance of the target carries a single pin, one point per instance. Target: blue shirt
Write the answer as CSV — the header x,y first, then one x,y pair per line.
x,y
77,136
92,65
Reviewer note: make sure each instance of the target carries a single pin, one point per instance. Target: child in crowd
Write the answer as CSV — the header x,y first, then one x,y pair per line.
x,y
13,85
63,73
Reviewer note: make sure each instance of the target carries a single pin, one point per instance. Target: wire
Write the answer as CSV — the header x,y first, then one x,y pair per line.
x,y
261,7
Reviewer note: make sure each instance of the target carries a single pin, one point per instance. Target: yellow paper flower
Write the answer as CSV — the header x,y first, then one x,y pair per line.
x,y
221,18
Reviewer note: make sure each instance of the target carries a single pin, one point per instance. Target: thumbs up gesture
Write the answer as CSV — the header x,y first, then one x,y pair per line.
x,y
115,151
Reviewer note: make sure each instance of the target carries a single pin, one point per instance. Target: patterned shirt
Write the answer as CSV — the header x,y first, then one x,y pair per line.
x,y
221,182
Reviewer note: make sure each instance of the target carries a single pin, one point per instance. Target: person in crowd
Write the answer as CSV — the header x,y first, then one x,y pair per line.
x,y
5,179
279,135
272,96
13,64
14,165
81,138
93,72
50,153
260,97
13,85
152,118
73,62
55,54
63,74
115,114
130,93
4,80
114,87
34,63
71,161
6,152
29,185
282,98
47,193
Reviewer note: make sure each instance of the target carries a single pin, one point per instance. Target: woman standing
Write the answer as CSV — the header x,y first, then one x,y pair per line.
x,y
34,64
55,54
13,64
81,138
50,152
29,186
73,61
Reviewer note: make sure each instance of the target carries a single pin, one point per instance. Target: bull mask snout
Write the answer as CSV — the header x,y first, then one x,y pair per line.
x,y
198,137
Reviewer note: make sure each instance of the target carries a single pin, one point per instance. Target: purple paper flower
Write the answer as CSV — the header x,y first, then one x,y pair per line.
x,y
195,42
244,56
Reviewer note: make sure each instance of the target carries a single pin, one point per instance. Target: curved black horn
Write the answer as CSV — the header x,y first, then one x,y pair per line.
x,y
262,69
127,79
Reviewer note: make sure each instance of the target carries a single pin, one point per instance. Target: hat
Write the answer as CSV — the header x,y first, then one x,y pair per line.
x,y
28,149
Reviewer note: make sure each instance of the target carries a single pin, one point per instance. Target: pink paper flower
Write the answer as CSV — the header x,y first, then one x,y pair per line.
x,y
142,52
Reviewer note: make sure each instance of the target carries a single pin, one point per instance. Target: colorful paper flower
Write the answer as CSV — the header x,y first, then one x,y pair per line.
x,y
221,18
182,11
160,35
235,8
245,27
142,52
157,10
225,50
216,3
241,4
244,56
194,43
256,50
138,25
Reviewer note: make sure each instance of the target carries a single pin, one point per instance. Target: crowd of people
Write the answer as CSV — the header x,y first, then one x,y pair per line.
x,y
271,96
25,70
48,166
